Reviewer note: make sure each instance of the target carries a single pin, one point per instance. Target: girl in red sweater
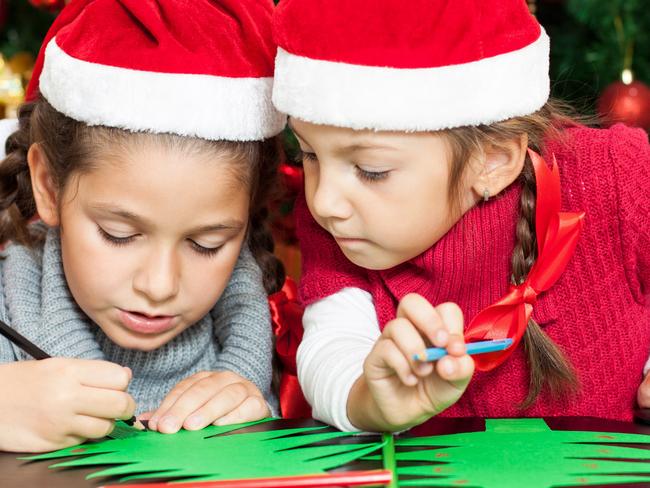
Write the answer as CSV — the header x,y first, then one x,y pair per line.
x,y
427,221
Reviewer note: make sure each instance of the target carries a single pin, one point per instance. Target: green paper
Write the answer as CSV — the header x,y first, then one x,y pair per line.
x,y
388,455
523,452
208,454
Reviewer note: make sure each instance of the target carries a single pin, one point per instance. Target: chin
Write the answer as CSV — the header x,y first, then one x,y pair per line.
x,y
367,262
138,342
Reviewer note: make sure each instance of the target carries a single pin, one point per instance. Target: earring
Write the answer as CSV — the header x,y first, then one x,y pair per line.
x,y
486,195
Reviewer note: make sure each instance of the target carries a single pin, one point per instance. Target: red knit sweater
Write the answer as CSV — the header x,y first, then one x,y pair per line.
x,y
599,310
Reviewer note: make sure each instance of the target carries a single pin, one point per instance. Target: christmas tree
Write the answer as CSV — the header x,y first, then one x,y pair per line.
x,y
597,44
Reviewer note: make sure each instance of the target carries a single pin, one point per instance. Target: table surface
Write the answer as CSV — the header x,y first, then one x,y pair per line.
x,y
16,473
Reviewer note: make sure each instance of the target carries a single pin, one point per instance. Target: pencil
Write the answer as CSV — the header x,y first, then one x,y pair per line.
x,y
346,478
34,351
22,342
481,347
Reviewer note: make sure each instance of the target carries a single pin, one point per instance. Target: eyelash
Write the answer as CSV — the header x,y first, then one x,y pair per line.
x,y
370,176
305,156
115,241
123,241
205,251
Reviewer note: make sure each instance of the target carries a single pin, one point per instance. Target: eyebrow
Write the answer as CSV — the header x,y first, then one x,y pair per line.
x,y
361,147
348,149
230,224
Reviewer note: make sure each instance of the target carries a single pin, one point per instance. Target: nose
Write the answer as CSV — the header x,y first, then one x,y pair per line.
x,y
329,196
159,275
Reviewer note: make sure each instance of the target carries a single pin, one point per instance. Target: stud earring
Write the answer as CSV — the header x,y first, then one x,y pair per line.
x,y
486,195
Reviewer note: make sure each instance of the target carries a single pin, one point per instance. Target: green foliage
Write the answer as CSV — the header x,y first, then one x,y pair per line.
x,y
514,453
25,28
592,41
215,453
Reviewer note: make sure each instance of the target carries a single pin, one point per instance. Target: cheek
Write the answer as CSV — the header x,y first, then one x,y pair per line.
x,y
417,214
205,278
93,276
95,270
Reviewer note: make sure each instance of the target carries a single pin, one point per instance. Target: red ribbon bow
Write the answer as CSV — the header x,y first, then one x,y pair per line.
x,y
286,314
557,236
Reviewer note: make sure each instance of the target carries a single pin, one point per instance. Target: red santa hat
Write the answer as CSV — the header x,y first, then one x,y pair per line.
x,y
201,68
409,66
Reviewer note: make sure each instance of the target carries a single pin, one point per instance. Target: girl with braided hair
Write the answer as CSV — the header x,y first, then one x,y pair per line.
x,y
448,200
148,153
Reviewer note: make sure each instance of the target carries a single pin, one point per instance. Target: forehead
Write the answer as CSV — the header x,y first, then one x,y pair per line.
x,y
342,139
168,183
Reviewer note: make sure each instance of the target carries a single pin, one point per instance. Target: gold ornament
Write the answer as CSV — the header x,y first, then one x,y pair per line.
x,y
12,91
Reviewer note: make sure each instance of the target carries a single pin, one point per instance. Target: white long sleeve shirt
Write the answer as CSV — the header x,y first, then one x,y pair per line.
x,y
340,331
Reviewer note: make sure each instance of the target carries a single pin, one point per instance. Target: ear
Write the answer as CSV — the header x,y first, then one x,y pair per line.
x,y
499,167
44,190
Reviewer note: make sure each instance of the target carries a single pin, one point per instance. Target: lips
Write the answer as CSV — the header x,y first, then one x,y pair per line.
x,y
146,324
348,239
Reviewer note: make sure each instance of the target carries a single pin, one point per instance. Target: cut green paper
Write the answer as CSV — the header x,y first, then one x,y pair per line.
x,y
208,454
521,452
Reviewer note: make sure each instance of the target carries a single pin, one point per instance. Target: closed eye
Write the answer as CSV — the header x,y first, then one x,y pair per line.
x,y
371,175
115,240
205,251
307,156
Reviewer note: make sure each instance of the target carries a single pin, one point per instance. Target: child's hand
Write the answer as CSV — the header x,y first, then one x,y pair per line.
x,y
218,398
406,392
643,393
60,402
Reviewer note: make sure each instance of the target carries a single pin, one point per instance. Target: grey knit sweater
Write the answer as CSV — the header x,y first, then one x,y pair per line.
x,y
236,335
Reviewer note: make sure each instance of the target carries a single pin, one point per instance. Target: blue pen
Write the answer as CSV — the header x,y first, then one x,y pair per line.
x,y
435,353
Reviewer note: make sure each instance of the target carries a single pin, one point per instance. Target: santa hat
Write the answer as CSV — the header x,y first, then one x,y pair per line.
x,y
201,68
409,66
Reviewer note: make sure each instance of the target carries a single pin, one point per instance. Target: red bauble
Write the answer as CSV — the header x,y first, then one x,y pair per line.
x,y
51,5
629,104
292,177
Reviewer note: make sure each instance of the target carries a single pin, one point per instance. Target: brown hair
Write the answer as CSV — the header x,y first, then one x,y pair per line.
x,y
548,365
72,147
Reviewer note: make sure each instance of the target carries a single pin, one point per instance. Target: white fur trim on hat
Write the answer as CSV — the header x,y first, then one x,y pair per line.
x,y
367,97
208,107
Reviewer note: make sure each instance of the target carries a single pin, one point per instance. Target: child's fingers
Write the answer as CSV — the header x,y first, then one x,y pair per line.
x,y
227,400
100,374
452,316
145,416
424,317
173,395
409,341
200,393
224,402
456,345
90,427
105,404
253,408
456,370
386,355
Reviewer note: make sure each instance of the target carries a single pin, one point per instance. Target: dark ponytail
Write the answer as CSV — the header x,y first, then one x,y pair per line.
x,y
264,189
17,204
548,365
